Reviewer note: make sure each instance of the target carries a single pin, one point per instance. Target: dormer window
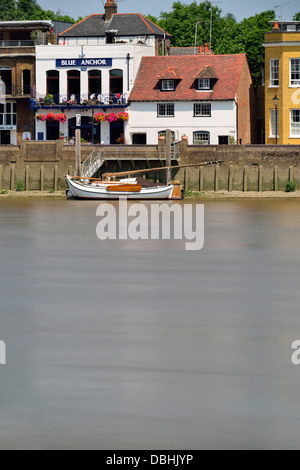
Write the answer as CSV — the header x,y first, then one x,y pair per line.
x,y
204,84
168,85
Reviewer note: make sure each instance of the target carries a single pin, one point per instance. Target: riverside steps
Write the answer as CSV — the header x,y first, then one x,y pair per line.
x,y
42,166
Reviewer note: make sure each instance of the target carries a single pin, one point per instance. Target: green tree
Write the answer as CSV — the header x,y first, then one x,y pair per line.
x,y
228,35
28,8
297,17
8,10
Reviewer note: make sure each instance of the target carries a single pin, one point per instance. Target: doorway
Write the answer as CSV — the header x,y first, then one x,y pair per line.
x,y
116,131
52,130
5,138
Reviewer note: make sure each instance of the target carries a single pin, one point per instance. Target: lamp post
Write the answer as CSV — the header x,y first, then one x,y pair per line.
x,y
275,101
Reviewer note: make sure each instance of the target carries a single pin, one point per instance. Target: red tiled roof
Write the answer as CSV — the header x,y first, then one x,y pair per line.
x,y
207,72
227,68
169,74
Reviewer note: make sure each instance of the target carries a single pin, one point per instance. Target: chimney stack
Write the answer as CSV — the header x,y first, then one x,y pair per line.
x,y
206,48
110,9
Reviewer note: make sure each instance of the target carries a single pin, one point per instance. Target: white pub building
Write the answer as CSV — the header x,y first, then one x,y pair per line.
x,y
92,71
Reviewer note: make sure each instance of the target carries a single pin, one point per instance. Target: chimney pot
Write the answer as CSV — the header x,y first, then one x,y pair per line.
x,y
200,49
206,48
276,26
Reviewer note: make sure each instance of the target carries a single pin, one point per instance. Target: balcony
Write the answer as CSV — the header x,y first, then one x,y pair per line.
x,y
21,43
100,101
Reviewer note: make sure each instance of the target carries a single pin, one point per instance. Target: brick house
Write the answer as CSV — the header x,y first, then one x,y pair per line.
x,y
17,74
210,98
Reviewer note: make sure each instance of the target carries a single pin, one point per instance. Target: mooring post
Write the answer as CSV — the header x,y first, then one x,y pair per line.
x,y
42,177
201,179
27,176
12,177
275,180
291,173
230,178
168,155
55,178
260,177
216,185
245,179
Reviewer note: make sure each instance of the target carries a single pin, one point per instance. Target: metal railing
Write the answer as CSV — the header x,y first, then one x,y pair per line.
x,y
91,164
21,43
86,100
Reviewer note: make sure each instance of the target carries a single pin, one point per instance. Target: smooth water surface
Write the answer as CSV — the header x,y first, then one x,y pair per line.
x,y
143,345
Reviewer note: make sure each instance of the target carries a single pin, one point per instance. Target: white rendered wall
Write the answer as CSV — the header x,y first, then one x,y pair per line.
x,y
46,60
143,119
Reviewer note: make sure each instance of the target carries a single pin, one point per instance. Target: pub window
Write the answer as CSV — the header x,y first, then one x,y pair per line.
x,y
203,84
53,84
274,72
94,82
73,85
116,81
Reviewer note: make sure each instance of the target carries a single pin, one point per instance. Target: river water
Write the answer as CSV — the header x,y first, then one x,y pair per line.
x,y
142,344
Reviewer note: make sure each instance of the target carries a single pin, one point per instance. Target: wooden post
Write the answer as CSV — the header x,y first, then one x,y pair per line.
x,y
201,179
216,185
27,176
12,177
230,178
42,177
1,173
168,155
291,173
55,178
245,179
275,179
260,176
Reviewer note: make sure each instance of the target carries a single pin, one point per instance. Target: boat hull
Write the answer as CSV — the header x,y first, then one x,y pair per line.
x,y
99,191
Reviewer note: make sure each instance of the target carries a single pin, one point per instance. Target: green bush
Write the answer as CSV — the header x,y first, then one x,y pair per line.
x,y
20,186
290,187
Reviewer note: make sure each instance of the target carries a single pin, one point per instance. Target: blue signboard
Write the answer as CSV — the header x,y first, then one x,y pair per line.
x,y
83,63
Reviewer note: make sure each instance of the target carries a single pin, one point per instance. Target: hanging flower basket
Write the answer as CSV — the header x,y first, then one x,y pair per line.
x,y
123,116
61,117
100,117
111,117
41,117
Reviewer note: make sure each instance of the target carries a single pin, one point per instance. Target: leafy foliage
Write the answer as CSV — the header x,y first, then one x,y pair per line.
x,y
297,17
20,10
227,35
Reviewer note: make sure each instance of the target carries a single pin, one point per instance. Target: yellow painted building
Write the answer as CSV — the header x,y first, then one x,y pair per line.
x,y
282,80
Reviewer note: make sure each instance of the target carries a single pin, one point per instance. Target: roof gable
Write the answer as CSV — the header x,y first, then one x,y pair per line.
x,y
227,68
169,74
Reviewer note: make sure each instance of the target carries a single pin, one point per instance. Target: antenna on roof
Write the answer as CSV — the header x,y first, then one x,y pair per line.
x,y
281,7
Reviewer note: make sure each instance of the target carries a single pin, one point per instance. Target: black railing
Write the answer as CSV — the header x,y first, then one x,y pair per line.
x,y
21,43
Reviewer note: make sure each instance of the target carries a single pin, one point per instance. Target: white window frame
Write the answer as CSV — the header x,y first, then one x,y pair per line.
x,y
274,82
203,84
201,107
168,85
168,110
12,121
205,141
295,83
294,135
273,123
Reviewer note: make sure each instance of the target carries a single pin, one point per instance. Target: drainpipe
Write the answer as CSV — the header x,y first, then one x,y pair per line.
x,y
128,60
